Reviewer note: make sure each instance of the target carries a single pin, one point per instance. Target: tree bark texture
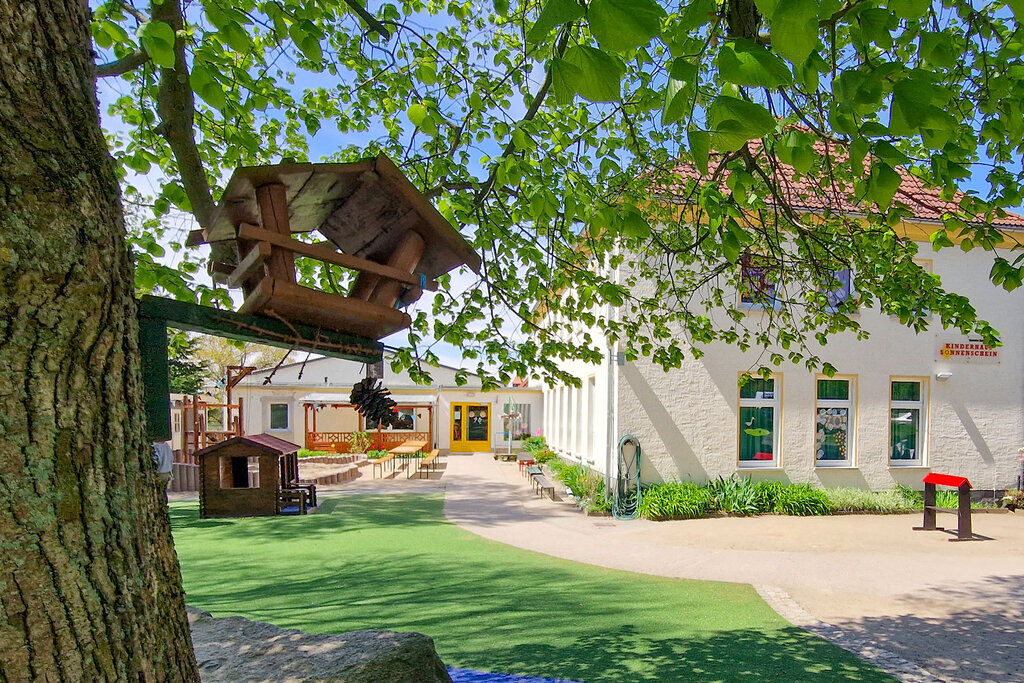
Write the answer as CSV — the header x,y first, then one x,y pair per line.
x,y
90,588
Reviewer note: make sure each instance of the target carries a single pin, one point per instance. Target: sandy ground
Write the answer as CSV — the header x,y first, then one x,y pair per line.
x,y
953,609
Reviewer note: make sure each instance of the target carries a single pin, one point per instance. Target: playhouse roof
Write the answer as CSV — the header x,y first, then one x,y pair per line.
x,y
264,442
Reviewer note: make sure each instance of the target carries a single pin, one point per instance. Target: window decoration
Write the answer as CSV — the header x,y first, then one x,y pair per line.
x,y
758,286
760,408
906,422
834,423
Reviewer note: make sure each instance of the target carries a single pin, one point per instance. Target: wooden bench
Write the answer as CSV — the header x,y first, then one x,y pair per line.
x,y
286,497
541,483
427,464
388,461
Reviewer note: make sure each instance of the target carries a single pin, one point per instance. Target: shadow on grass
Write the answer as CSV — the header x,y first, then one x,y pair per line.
x,y
391,562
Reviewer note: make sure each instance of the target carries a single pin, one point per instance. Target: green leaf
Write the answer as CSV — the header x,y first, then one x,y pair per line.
x,y
700,149
235,36
554,14
205,84
734,121
876,26
794,29
682,81
744,62
882,185
600,74
564,77
621,25
157,39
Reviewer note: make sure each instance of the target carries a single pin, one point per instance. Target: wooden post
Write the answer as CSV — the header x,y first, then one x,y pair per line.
x,y
963,522
929,508
405,258
273,204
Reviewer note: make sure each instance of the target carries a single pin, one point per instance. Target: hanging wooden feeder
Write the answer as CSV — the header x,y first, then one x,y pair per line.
x,y
374,221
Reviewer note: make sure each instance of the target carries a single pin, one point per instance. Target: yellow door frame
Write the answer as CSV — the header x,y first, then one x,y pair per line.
x,y
462,444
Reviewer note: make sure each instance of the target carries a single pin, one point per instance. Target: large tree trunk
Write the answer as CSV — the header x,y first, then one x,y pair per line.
x,y
89,583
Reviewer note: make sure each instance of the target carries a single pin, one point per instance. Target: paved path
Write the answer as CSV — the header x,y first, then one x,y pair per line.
x,y
953,609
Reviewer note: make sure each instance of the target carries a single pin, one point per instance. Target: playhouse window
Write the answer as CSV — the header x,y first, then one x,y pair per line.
x,y
279,416
760,415
906,422
234,471
834,423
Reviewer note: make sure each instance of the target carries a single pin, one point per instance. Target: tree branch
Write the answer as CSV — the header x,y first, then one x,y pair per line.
x,y
122,66
370,20
176,106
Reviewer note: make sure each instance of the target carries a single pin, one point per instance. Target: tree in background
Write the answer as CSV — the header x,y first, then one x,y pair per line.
x,y
189,374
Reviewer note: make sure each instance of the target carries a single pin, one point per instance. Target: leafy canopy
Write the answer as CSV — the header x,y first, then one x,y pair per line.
x,y
552,133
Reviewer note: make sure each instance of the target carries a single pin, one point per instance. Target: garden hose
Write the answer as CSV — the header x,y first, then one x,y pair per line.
x,y
626,500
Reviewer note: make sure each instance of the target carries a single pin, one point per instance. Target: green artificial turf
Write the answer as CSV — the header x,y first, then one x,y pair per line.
x,y
394,562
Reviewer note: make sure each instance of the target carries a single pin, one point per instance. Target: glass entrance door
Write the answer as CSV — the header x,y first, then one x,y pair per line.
x,y
471,427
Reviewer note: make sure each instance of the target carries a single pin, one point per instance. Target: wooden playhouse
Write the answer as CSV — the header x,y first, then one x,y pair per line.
x,y
252,476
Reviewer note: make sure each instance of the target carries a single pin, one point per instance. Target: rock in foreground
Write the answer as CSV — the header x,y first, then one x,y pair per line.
x,y
233,649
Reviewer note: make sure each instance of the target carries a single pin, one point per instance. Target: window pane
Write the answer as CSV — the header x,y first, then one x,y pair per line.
x,y
758,388
906,391
833,431
756,426
833,389
841,293
756,285
279,416
476,430
903,430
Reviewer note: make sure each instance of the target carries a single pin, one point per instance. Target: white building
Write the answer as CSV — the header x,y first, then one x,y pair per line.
x,y
902,405
308,404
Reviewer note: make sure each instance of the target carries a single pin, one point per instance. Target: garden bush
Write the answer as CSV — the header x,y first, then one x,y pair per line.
x,y
735,495
544,456
766,493
802,500
859,500
359,441
675,500
306,453
533,444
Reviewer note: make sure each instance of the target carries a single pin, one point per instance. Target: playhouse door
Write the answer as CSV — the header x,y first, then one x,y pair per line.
x,y
471,427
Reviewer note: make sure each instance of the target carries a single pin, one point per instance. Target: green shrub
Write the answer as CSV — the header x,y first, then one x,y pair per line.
x,y
675,500
544,456
802,500
359,441
306,453
735,495
766,493
375,455
859,500
533,444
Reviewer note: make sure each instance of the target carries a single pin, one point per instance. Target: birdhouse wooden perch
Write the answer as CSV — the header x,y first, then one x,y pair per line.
x,y
375,222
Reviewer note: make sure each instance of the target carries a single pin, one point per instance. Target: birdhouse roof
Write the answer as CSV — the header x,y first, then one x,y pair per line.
x,y
363,207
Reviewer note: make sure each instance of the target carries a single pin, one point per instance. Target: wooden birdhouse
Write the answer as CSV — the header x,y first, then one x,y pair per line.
x,y
371,220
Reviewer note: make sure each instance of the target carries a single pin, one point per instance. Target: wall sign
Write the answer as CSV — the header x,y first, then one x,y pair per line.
x,y
960,350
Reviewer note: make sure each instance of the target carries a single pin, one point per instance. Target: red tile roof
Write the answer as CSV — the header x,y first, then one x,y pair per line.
x,y
802,192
